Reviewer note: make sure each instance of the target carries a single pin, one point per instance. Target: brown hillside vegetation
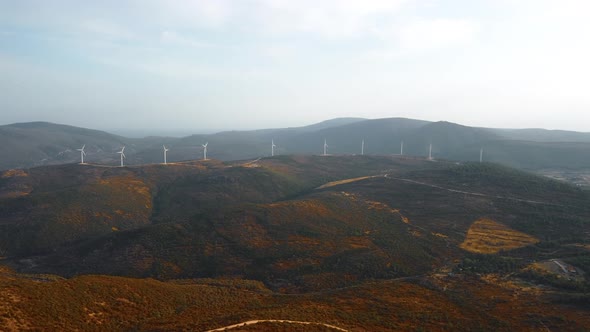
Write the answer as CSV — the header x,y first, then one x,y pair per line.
x,y
101,303
14,183
336,183
486,236
385,253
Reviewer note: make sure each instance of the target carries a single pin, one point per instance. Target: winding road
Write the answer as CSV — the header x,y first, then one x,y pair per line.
x,y
252,322
470,192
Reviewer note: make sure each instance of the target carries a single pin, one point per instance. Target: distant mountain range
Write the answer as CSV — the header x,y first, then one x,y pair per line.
x,y
26,145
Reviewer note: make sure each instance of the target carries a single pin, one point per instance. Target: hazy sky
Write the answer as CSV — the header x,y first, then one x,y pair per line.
x,y
271,63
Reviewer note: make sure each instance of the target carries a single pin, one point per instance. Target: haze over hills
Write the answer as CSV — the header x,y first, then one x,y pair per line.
x,y
207,193
39,143
358,242
298,240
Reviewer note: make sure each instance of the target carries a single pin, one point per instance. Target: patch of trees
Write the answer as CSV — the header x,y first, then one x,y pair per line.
x,y
555,281
479,263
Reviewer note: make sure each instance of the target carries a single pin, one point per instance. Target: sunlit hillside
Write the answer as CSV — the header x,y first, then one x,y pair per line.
x,y
439,303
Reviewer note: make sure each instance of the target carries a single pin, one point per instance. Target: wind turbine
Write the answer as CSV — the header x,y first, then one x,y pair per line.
x,y
430,152
165,150
481,155
82,153
122,155
363,148
205,151
401,149
325,146
272,147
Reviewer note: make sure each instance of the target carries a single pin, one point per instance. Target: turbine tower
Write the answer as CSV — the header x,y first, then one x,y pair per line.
x,y
205,150
481,155
122,155
363,148
272,147
430,152
325,146
82,153
401,149
165,150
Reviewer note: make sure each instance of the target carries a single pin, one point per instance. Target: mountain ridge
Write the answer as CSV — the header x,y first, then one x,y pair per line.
x,y
42,143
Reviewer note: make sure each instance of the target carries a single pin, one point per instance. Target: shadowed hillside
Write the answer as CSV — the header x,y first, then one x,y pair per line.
x,y
275,220
33,144
376,243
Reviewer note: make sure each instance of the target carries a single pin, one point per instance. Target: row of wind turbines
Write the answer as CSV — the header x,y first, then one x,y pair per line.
x,y
122,153
401,150
272,151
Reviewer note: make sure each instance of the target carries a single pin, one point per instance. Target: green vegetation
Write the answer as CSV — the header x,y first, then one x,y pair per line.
x,y
556,281
478,263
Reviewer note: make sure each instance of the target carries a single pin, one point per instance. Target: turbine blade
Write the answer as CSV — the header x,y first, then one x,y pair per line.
x,y
123,155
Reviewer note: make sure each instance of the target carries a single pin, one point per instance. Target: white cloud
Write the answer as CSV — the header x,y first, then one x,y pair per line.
x,y
178,68
326,18
172,37
438,33
106,29
280,51
201,13
419,35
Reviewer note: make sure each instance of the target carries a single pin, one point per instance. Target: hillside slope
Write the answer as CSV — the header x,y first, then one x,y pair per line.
x,y
98,303
356,242
39,143
276,220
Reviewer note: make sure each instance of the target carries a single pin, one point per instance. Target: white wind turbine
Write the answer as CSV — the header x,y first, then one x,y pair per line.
x,y
165,150
401,148
122,155
82,153
481,155
272,147
363,148
205,150
430,152
325,147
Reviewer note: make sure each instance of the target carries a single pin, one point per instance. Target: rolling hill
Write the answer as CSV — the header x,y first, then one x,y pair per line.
x,y
98,303
280,220
33,144
356,242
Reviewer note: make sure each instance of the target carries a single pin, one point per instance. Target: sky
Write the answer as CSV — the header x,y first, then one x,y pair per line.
x,y
208,65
